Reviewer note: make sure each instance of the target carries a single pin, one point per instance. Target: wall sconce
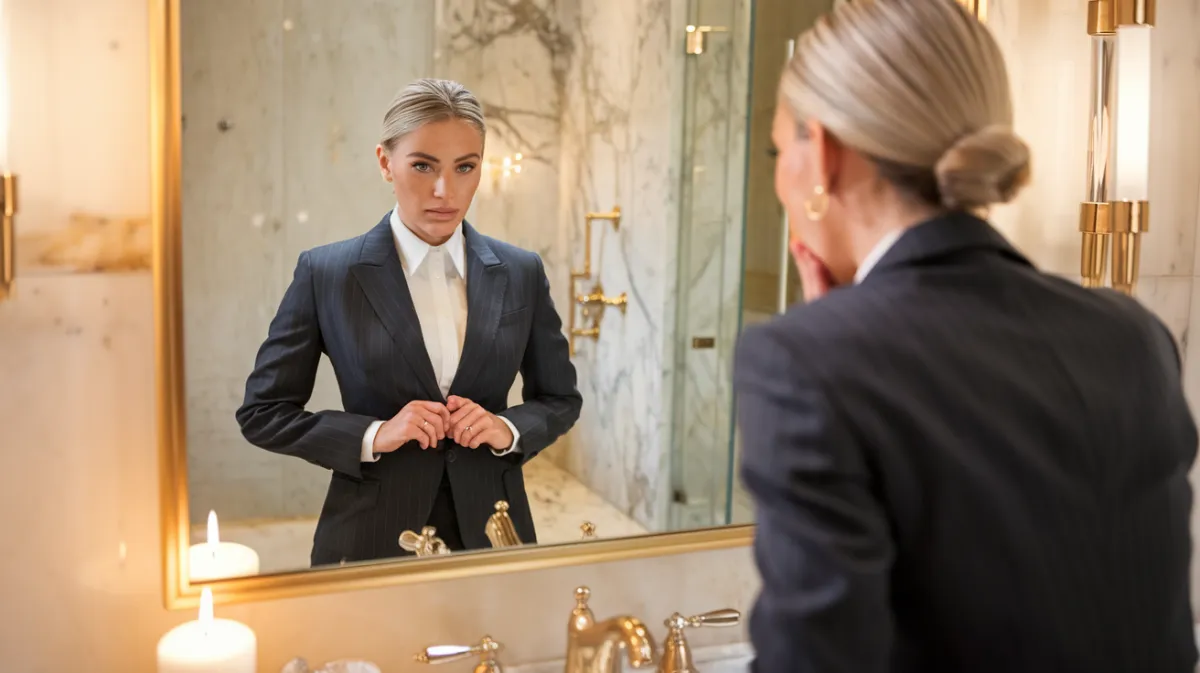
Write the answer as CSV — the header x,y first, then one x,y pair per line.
x,y
8,181
977,7
503,169
1117,206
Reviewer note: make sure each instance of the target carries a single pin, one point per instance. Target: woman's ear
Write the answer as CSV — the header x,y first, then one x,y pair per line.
x,y
385,163
826,155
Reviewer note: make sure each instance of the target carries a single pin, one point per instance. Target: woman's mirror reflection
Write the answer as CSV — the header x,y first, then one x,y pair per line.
x,y
427,323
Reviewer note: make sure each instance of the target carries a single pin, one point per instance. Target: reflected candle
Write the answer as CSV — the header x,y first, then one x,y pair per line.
x,y
208,645
214,560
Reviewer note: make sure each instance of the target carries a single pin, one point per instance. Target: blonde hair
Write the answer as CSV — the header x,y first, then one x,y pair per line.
x,y
430,100
920,87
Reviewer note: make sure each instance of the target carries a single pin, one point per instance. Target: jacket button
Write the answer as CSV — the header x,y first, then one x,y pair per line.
x,y
451,455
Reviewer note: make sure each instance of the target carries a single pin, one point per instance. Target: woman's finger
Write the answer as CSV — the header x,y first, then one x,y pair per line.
x,y
815,278
470,425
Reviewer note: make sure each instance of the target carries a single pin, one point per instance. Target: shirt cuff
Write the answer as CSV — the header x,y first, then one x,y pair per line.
x,y
516,438
367,453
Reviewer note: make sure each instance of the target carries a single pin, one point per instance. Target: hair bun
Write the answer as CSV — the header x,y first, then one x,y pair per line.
x,y
982,168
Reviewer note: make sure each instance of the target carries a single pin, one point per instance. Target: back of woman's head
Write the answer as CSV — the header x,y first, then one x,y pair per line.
x,y
920,87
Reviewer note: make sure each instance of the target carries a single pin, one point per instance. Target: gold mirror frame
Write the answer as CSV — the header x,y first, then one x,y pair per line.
x,y
178,592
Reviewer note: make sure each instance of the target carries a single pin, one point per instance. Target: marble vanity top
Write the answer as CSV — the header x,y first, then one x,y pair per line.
x,y
715,659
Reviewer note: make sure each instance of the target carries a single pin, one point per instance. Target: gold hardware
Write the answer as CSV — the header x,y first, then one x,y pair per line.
x,y
486,650
500,529
8,234
695,37
677,654
1130,220
592,332
588,529
977,7
595,647
427,543
1135,12
701,343
1101,218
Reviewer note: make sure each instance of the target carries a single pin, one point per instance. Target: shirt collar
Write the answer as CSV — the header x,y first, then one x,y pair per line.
x,y
413,250
884,244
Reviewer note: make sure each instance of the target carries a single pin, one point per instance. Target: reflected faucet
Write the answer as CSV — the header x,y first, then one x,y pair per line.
x,y
595,647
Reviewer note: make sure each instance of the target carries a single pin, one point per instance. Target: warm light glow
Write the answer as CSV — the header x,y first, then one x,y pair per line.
x,y
4,88
1133,114
214,535
206,608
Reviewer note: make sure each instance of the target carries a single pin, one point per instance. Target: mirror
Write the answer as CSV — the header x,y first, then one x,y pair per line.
x,y
624,177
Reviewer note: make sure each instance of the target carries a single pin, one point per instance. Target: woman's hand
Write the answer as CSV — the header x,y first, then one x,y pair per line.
x,y
815,278
473,426
420,421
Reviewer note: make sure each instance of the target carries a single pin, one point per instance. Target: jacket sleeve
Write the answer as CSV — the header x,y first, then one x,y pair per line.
x,y
551,400
822,544
272,415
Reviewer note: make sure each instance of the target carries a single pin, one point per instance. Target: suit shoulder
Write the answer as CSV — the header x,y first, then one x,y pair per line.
x,y
339,254
512,254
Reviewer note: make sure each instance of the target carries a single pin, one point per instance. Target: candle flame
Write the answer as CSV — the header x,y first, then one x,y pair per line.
x,y
214,536
206,608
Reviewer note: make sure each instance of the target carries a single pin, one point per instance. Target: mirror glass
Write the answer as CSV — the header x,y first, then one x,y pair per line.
x,y
620,229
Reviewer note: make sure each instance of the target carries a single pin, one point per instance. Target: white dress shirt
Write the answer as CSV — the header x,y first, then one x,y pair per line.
x,y
436,279
881,247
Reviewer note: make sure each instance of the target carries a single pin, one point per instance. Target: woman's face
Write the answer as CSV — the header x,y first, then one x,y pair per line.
x,y
804,162
434,172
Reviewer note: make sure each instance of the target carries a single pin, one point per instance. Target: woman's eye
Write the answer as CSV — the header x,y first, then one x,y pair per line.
x,y
466,168
422,167
772,152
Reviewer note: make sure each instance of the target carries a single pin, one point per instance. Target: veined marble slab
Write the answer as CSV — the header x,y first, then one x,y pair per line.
x,y
733,658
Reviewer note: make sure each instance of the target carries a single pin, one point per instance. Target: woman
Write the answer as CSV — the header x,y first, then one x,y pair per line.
x,y
426,322
959,463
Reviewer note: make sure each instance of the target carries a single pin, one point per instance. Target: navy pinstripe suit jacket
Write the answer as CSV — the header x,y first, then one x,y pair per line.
x,y
962,464
350,301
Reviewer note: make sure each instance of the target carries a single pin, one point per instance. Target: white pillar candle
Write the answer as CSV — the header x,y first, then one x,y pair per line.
x,y
214,560
208,645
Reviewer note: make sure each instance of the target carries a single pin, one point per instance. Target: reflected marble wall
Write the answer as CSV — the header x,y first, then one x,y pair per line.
x,y
282,103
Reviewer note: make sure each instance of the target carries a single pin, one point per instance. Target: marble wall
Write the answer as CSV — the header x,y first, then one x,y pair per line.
x,y
282,102
84,572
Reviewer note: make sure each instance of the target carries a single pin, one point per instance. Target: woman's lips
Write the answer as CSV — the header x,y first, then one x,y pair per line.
x,y
442,213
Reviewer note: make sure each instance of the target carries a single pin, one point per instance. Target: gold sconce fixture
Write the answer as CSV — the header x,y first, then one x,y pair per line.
x,y
8,181
696,37
1116,211
427,543
8,234
977,7
594,302
500,530
504,168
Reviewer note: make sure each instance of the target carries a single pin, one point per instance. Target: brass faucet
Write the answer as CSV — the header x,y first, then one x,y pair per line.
x,y
486,650
677,654
595,647
427,543
500,530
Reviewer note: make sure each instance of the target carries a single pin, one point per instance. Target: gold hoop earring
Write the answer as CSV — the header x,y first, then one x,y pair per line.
x,y
817,205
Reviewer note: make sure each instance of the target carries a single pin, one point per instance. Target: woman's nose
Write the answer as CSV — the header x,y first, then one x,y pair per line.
x,y
441,187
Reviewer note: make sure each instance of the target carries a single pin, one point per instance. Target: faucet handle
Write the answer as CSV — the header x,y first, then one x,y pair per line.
x,y
486,650
427,543
677,654
726,617
588,530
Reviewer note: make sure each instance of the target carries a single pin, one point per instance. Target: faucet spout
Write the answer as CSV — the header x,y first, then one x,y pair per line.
x,y
595,647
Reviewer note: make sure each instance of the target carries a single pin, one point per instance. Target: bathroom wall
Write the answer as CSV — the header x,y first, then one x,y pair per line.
x,y
83,572
281,123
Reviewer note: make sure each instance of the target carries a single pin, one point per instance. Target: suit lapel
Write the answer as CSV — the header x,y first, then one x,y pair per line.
x,y
381,277
486,285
